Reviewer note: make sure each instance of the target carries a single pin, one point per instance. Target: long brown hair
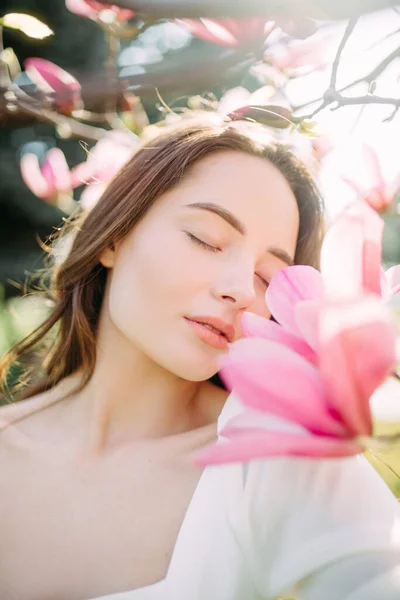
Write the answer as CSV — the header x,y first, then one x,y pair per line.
x,y
77,283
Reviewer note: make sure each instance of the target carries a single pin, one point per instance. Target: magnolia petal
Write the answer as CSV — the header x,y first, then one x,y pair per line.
x,y
91,9
233,99
256,326
351,253
81,8
209,30
272,378
91,195
392,277
357,353
307,319
121,14
107,157
245,445
385,286
50,77
33,177
227,32
373,167
354,186
82,174
372,251
56,171
288,287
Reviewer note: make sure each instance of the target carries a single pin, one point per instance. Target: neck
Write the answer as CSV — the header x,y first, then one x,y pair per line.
x,y
131,397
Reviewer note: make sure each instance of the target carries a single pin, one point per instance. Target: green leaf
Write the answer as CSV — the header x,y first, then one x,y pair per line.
x,y
29,25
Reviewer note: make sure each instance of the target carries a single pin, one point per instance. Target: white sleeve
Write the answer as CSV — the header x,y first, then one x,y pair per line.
x,y
308,522
366,576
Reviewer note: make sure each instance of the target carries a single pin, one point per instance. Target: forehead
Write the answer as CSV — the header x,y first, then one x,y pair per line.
x,y
250,187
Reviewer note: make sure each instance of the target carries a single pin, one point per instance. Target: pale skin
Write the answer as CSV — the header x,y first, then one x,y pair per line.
x,y
94,488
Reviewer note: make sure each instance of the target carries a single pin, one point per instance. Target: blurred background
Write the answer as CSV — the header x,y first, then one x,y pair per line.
x,y
81,81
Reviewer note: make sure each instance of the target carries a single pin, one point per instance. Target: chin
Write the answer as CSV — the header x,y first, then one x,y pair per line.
x,y
194,368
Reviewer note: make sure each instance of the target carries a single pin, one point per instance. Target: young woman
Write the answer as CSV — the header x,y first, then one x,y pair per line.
x,y
98,494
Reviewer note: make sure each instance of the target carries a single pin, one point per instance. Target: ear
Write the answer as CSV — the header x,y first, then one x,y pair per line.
x,y
107,257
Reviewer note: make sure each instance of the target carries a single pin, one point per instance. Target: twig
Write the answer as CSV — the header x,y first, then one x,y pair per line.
x,y
331,94
349,30
77,129
367,99
323,9
369,78
372,75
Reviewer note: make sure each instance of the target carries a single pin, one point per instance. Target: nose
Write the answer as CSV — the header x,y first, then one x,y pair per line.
x,y
236,287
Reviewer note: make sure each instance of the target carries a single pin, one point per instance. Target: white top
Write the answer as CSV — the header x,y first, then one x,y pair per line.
x,y
256,530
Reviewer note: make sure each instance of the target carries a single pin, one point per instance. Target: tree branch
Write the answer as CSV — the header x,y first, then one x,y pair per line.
x,y
372,75
349,30
333,95
20,103
320,9
369,78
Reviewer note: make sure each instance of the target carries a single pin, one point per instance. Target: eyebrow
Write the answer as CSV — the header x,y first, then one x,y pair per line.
x,y
238,225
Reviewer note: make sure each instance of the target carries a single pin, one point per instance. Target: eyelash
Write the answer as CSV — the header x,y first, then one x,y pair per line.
x,y
199,242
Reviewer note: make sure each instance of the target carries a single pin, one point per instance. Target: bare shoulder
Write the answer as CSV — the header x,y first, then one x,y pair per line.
x,y
16,419
28,417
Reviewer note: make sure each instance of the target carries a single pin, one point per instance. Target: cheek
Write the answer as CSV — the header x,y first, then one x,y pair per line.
x,y
149,280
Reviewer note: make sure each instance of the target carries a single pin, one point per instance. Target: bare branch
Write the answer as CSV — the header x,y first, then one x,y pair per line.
x,y
20,104
372,75
349,30
320,9
332,96
368,78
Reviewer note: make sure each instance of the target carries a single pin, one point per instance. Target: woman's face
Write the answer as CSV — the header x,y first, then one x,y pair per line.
x,y
206,249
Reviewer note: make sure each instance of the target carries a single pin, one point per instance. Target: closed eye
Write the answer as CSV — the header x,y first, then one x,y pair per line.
x,y
203,244
199,242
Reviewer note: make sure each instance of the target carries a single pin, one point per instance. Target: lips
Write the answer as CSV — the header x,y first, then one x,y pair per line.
x,y
220,325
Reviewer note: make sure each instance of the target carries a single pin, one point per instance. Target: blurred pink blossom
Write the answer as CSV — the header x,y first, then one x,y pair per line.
x,y
380,193
54,176
329,405
104,161
50,78
301,55
92,9
50,178
321,146
229,32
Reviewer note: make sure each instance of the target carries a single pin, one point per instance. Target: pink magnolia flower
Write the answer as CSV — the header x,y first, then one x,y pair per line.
x,y
228,32
104,161
50,178
50,78
329,406
380,193
92,10
351,257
